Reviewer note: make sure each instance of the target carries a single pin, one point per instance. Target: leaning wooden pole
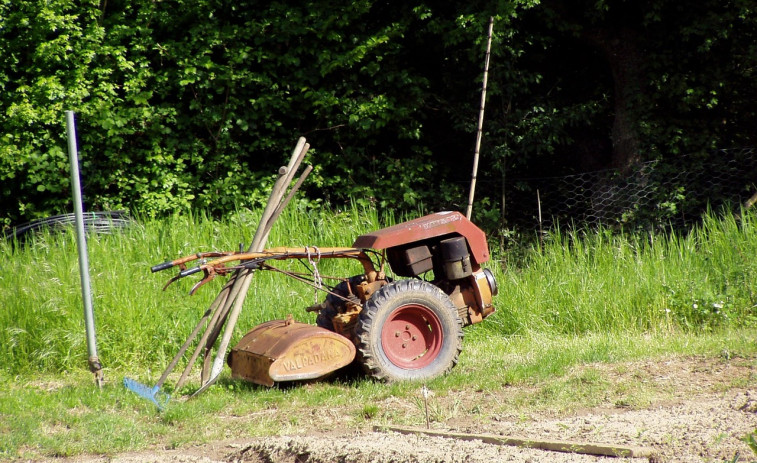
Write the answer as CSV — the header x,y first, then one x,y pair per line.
x,y
243,278
479,132
258,242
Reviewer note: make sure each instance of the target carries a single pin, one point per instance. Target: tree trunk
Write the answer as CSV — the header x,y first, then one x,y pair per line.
x,y
626,64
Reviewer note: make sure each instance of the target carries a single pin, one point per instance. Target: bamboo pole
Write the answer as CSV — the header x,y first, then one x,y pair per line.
x,y
541,229
751,201
479,132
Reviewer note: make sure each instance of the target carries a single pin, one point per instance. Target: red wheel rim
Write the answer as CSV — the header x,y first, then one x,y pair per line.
x,y
412,336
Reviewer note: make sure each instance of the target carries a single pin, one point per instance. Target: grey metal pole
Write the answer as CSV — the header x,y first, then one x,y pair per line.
x,y
81,241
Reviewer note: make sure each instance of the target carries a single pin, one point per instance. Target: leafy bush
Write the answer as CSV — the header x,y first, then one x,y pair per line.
x,y
189,104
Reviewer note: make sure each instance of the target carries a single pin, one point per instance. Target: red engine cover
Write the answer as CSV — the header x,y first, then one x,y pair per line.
x,y
430,226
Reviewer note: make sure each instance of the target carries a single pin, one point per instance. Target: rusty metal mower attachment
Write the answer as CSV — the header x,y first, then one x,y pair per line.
x,y
397,329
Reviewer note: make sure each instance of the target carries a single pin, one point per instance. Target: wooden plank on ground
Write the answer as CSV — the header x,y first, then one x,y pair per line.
x,y
587,448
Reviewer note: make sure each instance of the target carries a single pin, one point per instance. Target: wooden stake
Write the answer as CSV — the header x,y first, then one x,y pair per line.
x,y
425,405
751,201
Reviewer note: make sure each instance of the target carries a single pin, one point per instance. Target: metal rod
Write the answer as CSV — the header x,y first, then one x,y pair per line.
x,y
479,132
81,242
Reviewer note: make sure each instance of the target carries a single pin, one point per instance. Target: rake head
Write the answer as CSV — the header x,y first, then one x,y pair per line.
x,y
153,394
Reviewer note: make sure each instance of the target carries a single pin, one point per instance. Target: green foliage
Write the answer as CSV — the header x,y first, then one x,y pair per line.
x,y
186,104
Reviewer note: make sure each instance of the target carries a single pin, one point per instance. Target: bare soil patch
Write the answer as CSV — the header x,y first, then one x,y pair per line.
x,y
696,410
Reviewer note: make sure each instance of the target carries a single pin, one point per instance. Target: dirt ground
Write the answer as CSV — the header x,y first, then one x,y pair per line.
x,y
707,407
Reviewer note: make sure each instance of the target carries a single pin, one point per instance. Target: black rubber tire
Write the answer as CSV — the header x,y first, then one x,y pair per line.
x,y
383,311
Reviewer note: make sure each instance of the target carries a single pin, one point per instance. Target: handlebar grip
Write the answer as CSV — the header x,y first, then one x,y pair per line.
x,y
189,271
163,266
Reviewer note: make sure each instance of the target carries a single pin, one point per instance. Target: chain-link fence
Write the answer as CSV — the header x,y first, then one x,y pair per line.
x,y
655,195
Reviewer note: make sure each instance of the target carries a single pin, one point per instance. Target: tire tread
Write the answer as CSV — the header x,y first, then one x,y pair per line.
x,y
382,300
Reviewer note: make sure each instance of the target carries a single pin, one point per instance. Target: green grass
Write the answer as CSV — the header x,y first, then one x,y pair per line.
x,y
598,282
139,326
541,359
582,300
65,415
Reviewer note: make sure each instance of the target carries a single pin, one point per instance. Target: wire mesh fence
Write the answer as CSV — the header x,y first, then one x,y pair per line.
x,y
655,195
97,222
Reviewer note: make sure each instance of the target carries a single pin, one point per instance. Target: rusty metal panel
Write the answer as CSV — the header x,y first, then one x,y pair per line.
x,y
285,350
251,367
430,226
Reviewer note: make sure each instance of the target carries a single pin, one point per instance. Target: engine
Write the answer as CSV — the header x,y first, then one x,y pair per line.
x,y
444,248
